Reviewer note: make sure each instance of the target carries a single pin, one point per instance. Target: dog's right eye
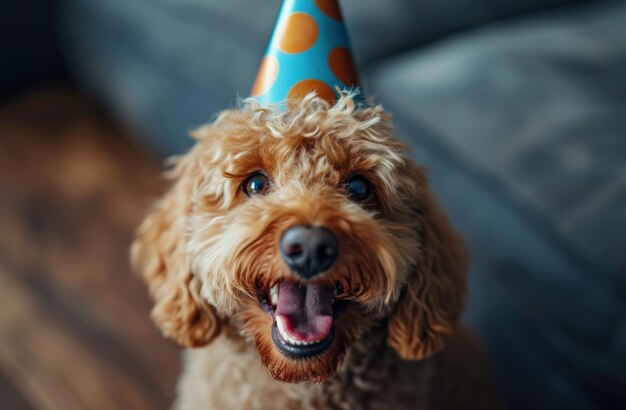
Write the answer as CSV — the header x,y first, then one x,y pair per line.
x,y
256,184
359,188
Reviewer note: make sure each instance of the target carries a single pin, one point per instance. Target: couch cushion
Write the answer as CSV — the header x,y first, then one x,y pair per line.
x,y
522,126
539,110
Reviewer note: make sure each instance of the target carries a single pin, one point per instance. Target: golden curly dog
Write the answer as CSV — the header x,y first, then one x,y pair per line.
x,y
302,256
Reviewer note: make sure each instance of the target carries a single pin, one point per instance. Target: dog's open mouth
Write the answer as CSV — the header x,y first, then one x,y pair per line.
x,y
303,316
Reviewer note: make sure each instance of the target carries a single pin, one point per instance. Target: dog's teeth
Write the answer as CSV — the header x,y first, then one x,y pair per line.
x,y
287,338
274,295
281,329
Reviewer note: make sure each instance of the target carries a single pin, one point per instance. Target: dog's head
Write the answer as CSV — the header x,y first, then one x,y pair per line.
x,y
302,228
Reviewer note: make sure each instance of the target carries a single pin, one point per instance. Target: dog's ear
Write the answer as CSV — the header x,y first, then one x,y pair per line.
x,y
433,297
159,254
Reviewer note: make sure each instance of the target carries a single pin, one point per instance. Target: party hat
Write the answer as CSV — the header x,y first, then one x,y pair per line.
x,y
309,52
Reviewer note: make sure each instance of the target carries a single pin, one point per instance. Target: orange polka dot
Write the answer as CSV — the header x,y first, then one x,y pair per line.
x,y
304,87
265,78
298,33
330,8
341,64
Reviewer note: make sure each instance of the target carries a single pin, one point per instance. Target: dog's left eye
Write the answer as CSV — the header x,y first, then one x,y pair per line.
x,y
359,188
256,184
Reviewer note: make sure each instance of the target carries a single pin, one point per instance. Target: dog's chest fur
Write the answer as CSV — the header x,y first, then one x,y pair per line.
x,y
228,374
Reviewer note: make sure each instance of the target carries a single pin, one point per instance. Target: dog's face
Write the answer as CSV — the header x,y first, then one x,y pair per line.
x,y
301,228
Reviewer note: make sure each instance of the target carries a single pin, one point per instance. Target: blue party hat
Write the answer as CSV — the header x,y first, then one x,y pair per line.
x,y
309,52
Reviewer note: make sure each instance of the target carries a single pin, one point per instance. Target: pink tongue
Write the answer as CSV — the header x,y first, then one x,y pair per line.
x,y
306,311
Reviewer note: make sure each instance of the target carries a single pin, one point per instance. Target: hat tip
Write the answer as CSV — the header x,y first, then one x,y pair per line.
x,y
307,33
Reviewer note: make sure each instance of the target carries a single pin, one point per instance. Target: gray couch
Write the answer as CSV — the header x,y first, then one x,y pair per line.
x,y
517,108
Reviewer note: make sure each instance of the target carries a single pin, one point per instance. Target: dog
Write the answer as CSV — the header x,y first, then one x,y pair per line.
x,y
301,259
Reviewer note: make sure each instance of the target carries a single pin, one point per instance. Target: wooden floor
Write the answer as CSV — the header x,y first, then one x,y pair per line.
x,y
74,327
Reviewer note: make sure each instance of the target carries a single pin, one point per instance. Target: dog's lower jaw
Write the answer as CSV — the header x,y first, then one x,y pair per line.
x,y
228,374
214,378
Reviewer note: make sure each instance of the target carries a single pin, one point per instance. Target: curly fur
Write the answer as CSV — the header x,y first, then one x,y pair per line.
x,y
207,249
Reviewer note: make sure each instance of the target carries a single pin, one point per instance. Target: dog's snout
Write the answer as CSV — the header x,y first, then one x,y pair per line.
x,y
309,250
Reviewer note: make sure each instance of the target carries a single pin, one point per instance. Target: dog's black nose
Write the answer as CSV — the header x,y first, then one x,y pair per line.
x,y
309,250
